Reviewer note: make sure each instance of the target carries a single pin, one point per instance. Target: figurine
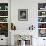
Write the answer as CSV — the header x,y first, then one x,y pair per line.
x,y
31,27
13,27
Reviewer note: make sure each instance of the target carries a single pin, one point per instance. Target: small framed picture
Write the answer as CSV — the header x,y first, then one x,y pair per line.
x,y
23,14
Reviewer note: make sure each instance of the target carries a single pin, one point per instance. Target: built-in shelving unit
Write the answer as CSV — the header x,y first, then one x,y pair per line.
x,y
42,19
4,19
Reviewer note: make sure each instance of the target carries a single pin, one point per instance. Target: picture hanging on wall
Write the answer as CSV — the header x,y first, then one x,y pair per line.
x,y
23,14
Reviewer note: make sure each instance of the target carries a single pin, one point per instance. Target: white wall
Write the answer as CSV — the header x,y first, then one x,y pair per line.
x,y
32,6
32,13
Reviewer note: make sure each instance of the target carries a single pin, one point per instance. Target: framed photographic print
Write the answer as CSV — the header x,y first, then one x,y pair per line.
x,y
23,14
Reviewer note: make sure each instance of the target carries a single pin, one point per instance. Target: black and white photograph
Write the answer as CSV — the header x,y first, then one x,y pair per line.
x,y
23,14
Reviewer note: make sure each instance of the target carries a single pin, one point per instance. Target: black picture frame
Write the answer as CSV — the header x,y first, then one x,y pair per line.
x,y
23,14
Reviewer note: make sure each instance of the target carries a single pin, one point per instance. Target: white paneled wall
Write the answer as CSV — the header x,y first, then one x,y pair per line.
x,y
32,6
32,12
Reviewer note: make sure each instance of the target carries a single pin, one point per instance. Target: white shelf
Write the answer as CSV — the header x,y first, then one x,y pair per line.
x,y
3,22
41,22
3,10
41,10
3,16
41,28
42,16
